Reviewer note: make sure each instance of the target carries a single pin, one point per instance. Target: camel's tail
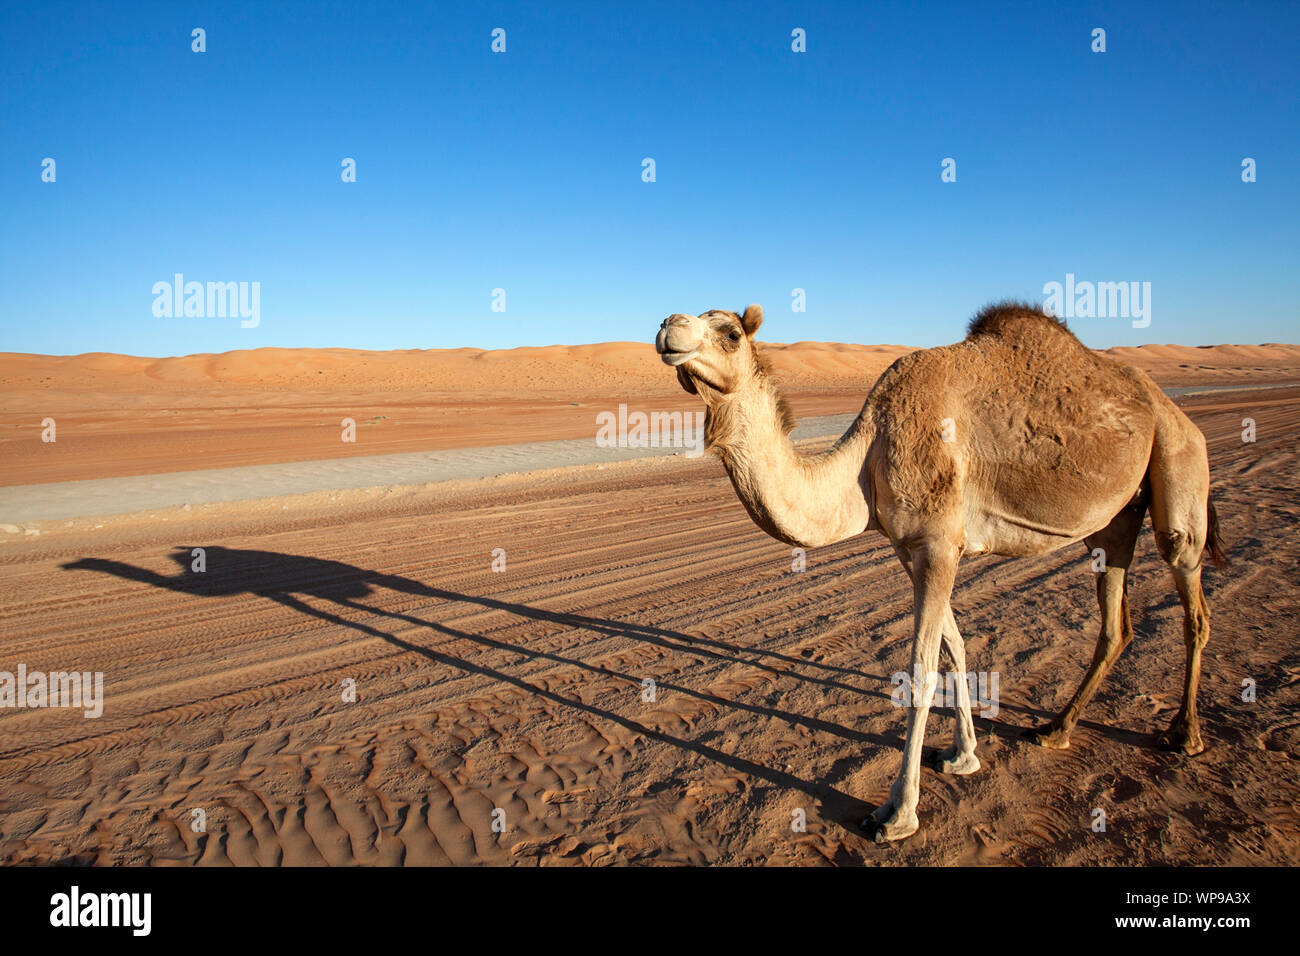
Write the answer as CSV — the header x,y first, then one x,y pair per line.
x,y
1213,543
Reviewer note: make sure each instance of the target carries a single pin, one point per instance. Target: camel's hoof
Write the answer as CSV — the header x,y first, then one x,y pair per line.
x,y
896,827
1049,736
1181,739
949,761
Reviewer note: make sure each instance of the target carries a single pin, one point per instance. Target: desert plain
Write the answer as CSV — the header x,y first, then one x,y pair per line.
x,y
459,671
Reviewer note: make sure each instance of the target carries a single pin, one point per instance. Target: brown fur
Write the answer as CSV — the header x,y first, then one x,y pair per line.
x,y
1010,317
763,365
721,430
1028,326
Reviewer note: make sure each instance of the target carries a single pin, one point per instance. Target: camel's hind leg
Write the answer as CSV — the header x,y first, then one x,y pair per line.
x,y
1180,489
960,757
1116,542
1184,734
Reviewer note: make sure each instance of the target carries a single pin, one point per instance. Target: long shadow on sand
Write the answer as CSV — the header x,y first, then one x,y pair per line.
x,y
286,579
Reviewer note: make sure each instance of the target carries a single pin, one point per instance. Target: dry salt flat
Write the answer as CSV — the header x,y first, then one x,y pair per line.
x,y
107,496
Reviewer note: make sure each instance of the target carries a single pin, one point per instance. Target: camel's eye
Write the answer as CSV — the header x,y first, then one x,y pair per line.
x,y
733,335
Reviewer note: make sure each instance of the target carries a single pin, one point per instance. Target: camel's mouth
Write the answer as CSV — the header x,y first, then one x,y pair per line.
x,y
677,358
676,342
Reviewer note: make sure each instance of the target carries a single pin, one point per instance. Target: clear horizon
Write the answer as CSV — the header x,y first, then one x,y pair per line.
x,y
649,346
775,171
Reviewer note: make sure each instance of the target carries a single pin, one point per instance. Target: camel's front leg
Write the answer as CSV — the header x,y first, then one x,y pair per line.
x,y
933,573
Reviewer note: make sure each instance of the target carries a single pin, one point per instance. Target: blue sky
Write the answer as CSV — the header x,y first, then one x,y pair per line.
x,y
775,170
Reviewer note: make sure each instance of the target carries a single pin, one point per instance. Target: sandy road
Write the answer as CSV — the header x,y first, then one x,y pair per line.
x,y
523,691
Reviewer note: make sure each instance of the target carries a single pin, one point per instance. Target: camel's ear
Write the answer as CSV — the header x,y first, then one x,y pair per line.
x,y
752,319
686,381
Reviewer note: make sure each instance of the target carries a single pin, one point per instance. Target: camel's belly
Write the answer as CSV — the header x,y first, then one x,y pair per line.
x,y
1042,523
997,535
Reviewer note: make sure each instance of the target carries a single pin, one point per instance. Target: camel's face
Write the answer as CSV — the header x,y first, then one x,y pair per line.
x,y
715,349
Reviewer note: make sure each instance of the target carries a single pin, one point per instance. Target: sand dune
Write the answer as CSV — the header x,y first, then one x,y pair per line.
x,y
120,415
556,367
802,365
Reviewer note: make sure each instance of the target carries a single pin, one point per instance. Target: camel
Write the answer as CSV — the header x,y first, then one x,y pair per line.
x,y
1016,441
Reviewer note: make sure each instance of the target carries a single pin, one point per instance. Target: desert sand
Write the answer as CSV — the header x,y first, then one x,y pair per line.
x,y
523,690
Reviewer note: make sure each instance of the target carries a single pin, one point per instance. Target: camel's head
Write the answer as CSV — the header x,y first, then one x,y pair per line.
x,y
715,349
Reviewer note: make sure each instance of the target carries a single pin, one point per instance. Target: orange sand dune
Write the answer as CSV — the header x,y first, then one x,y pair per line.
x,y
549,369
554,368
122,415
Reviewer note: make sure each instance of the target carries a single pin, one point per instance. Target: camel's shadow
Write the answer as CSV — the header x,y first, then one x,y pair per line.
x,y
288,579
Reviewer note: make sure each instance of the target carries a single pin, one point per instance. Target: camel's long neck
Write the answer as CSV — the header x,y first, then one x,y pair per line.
x,y
808,501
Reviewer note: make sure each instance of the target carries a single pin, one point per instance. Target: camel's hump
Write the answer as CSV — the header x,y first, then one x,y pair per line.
x,y
1012,320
